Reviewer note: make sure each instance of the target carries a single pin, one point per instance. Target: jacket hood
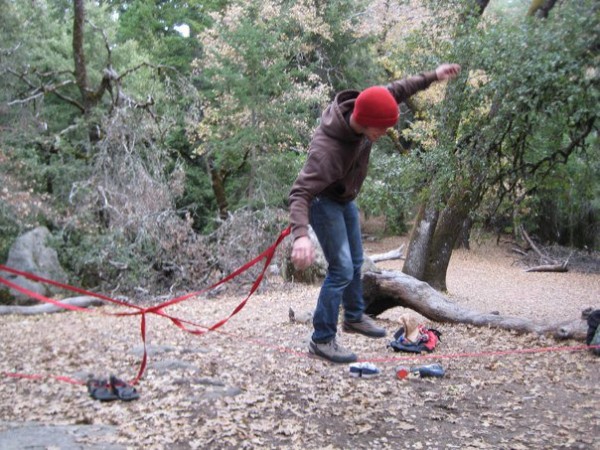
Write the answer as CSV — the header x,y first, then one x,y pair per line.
x,y
335,119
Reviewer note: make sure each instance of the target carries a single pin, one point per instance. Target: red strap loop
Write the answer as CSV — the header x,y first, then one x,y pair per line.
x,y
185,325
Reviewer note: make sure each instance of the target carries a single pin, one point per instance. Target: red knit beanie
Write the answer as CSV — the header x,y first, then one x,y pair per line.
x,y
376,107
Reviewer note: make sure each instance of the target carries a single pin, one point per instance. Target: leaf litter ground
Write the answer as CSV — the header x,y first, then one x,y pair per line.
x,y
252,385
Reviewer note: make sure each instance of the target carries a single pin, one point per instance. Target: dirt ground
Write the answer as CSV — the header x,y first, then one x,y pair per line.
x,y
251,385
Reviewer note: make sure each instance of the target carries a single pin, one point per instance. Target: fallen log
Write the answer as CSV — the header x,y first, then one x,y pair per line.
x,y
48,308
548,264
544,258
549,268
392,254
387,289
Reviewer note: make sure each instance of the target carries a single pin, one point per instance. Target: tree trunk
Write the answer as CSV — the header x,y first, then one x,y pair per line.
x,y
448,228
541,8
432,241
387,289
463,239
482,4
420,241
434,235
78,53
89,97
218,186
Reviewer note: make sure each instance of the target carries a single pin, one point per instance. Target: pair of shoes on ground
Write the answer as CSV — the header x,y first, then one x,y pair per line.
x,y
334,352
111,389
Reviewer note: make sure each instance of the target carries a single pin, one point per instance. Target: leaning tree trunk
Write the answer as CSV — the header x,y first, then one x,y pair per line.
x,y
420,241
447,231
387,289
432,241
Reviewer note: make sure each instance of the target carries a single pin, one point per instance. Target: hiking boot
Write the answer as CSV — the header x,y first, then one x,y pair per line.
x,y
331,351
365,326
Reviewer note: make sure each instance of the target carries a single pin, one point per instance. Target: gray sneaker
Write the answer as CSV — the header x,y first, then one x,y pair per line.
x,y
366,326
331,351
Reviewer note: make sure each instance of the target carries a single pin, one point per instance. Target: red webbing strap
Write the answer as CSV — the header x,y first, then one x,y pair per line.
x,y
40,297
64,286
268,253
269,256
157,309
41,377
145,355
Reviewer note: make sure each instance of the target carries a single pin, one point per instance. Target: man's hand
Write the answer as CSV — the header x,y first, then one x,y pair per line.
x,y
447,71
303,253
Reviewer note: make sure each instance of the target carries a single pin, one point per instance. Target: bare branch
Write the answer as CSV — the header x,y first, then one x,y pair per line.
x,y
392,254
9,51
105,39
31,98
534,247
145,64
549,268
576,140
41,91
22,77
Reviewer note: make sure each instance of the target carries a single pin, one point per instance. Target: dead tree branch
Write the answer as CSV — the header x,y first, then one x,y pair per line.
x,y
388,289
48,308
548,264
392,254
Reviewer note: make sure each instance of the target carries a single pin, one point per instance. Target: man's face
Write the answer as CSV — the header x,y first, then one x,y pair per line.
x,y
374,133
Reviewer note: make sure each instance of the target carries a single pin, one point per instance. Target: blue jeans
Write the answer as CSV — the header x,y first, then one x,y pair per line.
x,y
337,227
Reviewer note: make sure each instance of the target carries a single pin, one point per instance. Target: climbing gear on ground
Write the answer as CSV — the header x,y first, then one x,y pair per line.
x,y
426,340
425,371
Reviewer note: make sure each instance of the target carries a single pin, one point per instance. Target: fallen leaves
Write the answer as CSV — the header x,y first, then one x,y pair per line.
x,y
251,385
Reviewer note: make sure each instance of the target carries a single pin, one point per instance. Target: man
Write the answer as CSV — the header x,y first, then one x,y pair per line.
x,y
323,195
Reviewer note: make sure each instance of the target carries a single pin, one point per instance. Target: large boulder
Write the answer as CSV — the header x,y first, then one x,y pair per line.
x,y
311,275
318,270
30,254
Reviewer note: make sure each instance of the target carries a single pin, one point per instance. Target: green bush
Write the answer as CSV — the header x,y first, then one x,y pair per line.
x,y
9,229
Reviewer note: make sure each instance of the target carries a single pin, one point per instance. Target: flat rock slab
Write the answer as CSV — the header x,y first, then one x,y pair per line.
x,y
32,435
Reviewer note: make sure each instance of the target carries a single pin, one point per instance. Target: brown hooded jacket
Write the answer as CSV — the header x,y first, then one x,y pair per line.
x,y
338,157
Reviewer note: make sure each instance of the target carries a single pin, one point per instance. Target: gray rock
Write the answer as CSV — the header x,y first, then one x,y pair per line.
x,y
311,275
221,392
152,350
29,253
32,435
171,365
318,270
